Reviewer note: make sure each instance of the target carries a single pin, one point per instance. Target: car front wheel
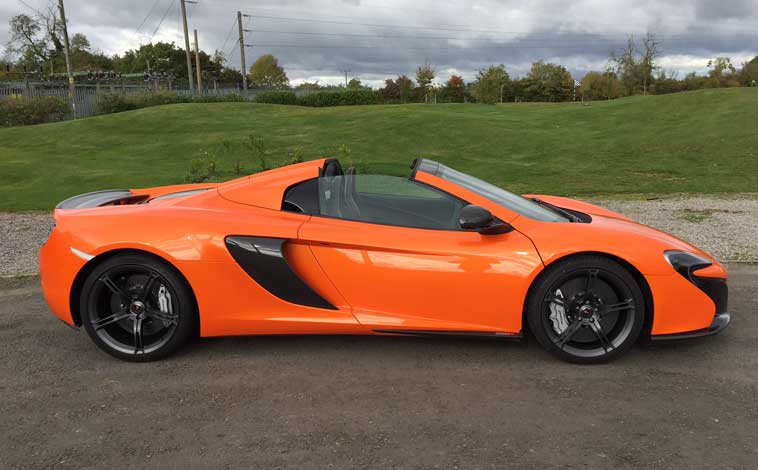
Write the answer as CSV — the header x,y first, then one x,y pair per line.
x,y
586,309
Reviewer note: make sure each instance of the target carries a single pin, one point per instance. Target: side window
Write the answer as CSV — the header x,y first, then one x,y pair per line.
x,y
388,200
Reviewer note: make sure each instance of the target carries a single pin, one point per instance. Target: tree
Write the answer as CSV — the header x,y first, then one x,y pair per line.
x,y
749,73
267,73
355,83
635,65
391,91
163,58
454,90
722,73
79,42
651,52
424,76
549,82
492,84
601,86
405,88
37,39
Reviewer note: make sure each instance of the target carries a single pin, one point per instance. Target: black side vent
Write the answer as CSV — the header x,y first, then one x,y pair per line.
x,y
263,260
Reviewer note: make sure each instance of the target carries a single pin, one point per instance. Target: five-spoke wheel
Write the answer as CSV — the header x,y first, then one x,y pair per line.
x,y
137,308
586,309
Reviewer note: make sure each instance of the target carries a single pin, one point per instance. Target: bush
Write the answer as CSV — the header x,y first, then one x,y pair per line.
x,y
203,168
346,97
117,102
29,111
277,97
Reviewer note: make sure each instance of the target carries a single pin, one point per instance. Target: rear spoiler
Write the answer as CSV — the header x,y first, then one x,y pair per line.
x,y
101,198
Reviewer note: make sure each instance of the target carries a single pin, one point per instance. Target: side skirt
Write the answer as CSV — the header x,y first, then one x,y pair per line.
x,y
459,334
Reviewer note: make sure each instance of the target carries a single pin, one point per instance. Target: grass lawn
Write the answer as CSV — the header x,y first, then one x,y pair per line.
x,y
699,142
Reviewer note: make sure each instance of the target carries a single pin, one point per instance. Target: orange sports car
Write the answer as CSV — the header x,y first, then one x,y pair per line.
x,y
312,249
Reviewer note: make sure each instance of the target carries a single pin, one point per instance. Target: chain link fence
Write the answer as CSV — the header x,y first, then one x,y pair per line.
x,y
87,96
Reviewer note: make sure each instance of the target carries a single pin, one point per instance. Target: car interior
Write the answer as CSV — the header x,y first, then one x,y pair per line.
x,y
379,199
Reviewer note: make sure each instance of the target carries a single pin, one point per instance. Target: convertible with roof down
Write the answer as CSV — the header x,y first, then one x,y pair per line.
x,y
311,248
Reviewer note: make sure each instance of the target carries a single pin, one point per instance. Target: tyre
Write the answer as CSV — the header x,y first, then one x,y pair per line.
x,y
587,309
137,308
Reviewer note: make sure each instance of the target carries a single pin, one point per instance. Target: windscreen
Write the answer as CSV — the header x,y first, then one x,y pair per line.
x,y
498,195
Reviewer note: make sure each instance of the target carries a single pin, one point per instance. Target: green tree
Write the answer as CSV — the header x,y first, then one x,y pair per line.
x,y
749,73
601,86
267,73
424,76
355,83
549,82
492,85
722,73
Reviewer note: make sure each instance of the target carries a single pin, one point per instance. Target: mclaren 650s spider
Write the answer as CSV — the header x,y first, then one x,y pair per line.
x,y
311,248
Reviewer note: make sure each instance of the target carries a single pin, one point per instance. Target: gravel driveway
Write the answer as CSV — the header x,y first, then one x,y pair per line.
x,y
726,227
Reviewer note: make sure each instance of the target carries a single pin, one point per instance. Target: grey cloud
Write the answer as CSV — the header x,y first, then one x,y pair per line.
x,y
461,36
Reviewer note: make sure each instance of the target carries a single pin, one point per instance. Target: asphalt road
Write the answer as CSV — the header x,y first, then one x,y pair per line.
x,y
371,402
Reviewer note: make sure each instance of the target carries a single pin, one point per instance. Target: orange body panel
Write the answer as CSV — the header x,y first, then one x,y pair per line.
x,y
377,276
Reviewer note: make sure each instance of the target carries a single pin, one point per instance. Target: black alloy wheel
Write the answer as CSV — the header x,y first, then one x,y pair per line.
x,y
137,308
587,309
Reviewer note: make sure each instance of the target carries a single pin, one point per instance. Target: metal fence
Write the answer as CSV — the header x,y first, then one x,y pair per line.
x,y
87,96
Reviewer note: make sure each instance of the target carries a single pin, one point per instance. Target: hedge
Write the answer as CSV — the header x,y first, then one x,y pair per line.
x,y
117,102
28,111
322,98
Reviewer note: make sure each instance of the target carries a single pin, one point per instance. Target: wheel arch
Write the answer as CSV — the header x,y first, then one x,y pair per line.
x,y
81,276
636,273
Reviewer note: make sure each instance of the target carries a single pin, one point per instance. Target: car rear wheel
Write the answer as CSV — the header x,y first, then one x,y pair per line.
x,y
137,308
586,309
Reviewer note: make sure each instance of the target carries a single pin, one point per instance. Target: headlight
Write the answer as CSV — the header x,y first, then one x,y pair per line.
x,y
686,263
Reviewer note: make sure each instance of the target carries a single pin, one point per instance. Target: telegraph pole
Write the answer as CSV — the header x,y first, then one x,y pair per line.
x,y
197,66
187,45
69,71
242,51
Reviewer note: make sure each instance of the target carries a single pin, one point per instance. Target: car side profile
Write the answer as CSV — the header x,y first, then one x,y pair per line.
x,y
313,248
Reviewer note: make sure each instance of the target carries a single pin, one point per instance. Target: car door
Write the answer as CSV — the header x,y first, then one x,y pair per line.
x,y
393,249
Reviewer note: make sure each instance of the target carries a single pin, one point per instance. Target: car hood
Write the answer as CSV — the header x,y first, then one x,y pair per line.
x,y
607,232
575,205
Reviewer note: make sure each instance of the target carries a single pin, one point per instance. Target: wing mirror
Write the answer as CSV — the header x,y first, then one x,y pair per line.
x,y
481,220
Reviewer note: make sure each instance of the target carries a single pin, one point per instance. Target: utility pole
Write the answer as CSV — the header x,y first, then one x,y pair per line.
x,y
69,71
197,66
187,45
242,52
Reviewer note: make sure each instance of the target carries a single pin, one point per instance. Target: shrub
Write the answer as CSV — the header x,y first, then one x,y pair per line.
x,y
276,97
203,168
345,97
29,111
117,102
114,103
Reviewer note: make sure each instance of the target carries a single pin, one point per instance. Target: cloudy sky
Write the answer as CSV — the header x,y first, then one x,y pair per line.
x,y
372,39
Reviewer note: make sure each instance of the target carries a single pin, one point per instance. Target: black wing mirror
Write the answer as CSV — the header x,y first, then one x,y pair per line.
x,y
480,219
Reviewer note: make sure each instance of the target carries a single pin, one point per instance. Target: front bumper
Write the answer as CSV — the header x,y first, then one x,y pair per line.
x,y
720,322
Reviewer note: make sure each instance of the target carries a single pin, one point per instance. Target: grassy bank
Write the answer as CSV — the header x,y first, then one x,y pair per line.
x,y
699,142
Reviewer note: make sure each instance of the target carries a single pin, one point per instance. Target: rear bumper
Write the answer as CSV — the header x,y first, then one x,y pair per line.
x,y
720,322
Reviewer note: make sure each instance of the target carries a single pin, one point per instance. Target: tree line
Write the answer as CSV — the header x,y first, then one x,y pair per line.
x,y
35,45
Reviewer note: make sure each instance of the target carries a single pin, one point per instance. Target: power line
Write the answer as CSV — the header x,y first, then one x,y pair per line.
x,y
162,19
155,4
455,28
234,23
504,46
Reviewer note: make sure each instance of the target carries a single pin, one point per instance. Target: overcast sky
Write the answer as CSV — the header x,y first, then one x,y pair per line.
x,y
373,39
